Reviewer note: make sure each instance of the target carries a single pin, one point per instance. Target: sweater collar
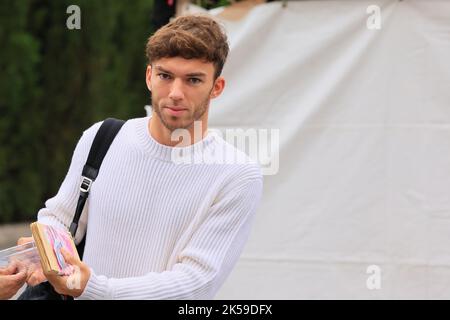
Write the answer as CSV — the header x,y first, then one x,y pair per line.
x,y
193,152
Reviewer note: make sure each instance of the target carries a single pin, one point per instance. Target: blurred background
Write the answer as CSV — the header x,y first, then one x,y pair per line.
x,y
56,82
359,207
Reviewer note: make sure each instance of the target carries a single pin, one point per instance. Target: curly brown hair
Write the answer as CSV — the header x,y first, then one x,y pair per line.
x,y
190,37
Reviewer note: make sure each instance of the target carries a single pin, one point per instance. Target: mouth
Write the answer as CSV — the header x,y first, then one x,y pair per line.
x,y
175,111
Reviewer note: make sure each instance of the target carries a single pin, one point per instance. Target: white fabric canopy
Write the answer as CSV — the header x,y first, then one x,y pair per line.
x,y
364,167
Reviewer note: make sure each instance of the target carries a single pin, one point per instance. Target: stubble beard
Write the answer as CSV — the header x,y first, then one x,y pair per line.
x,y
199,111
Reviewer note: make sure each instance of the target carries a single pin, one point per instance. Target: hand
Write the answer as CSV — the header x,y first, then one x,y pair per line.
x,y
12,279
74,284
35,275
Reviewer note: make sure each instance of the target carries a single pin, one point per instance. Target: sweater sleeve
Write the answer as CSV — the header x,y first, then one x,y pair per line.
x,y
203,264
60,209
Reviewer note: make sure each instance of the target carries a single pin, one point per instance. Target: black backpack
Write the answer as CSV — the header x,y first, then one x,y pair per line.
x,y
102,141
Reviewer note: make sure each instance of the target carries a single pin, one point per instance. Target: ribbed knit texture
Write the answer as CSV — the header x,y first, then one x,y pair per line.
x,y
157,229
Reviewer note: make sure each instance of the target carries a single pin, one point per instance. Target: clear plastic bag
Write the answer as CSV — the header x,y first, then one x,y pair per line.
x,y
26,253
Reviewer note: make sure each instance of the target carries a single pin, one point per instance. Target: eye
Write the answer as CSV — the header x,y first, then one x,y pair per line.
x,y
163,76
194,80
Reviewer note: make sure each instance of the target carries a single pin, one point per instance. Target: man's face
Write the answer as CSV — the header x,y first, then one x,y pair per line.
x,y
181,90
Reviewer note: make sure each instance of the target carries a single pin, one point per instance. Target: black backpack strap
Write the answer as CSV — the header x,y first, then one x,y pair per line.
x,y
102,141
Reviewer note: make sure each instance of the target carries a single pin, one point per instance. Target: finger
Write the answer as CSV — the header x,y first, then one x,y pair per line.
x,y
6,294
13,283
15,266
10,269
24,240
36,277
57,282
68,257
5,271
34,281
53,279
39,273
19,277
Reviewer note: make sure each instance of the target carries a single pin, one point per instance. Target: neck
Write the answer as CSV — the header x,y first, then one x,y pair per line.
x,y
193,134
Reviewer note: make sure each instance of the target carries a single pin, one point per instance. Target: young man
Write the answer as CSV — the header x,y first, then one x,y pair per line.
x,y
158,229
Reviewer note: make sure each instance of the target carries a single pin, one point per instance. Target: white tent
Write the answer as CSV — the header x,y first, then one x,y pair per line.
x,y
364,148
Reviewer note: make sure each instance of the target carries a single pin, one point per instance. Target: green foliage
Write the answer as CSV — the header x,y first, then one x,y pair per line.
x,y
56,82
210,4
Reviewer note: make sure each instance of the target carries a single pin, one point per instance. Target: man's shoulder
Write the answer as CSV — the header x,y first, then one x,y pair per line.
x,y
93,129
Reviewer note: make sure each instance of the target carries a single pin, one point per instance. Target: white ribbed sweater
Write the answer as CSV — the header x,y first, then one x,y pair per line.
x,y
157,229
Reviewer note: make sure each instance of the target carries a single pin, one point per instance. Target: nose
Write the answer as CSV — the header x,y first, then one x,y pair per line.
x,y
176,90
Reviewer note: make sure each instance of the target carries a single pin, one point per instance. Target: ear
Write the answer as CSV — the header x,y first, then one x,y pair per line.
x,y
218,87
148,77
